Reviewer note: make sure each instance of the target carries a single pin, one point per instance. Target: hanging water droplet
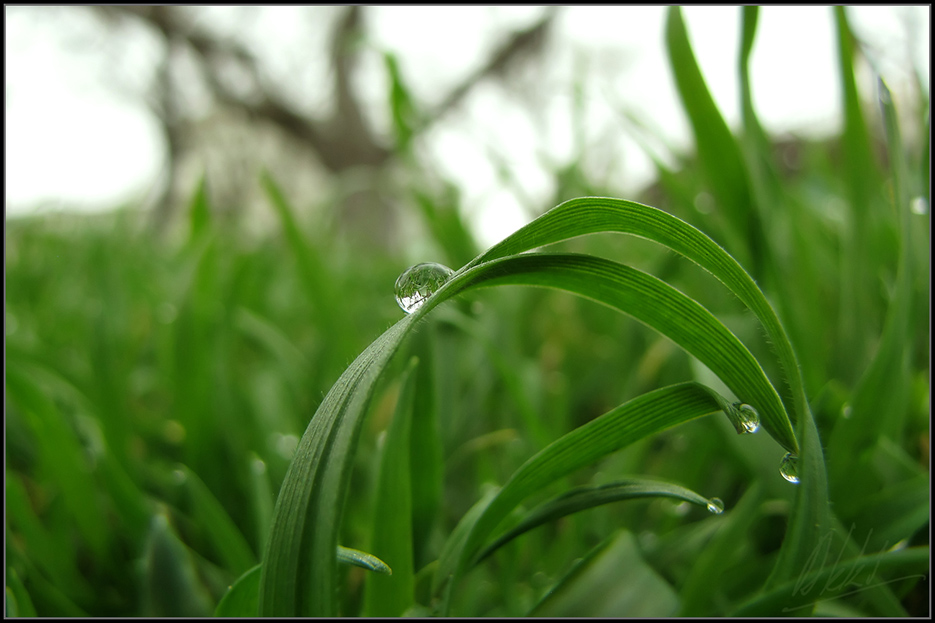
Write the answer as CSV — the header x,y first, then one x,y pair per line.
x,y
418,283
746,419
919,205
789,468
716,505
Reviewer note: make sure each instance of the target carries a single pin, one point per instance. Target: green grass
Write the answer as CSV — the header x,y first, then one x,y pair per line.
x,y
239,424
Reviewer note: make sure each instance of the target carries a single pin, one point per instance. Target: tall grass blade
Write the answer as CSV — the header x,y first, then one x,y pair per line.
x,y
718,153
387,596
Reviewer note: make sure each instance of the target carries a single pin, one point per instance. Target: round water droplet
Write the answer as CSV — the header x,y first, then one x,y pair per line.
x,y
749,418
418,283
716,505
789,468
745,418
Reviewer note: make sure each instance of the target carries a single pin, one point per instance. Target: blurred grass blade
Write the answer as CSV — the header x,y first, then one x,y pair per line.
x,y
241,599
355,557
61,457
699,589
844,577
172,585
880,398
19,603
636,419
859,249
391,540
199,211
718,154
262,495
613,581
582,498
425,451
228,541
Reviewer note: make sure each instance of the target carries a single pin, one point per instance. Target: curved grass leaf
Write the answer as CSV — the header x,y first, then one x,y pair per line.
x,y
582,498
299,567
636,419
589,215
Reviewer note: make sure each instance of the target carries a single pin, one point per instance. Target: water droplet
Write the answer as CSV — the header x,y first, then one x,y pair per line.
x,y
846,411
418,283
746,419
716,505
919,205
789,468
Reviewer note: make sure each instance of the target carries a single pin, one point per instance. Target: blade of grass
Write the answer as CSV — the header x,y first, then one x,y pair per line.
x,y
718,153
299,569
387,596
638,418
582,498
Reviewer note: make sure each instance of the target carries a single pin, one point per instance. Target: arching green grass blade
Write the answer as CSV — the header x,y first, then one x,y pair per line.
x,y
645,415
299,568
583,498
363,560
589,215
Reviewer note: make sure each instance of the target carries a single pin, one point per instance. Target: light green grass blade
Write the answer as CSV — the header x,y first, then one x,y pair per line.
x,y
355,557
385,595
19,603
241,599
583,498
718,153
845,577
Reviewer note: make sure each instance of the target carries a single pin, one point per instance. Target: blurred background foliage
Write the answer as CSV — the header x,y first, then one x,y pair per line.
x,y
162,364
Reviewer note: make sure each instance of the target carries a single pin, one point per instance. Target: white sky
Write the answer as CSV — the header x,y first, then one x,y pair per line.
x,y
73,140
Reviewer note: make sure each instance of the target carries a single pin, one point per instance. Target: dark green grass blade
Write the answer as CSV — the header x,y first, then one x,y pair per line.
x,y
718,153
582,498
847,577
241,599
385,595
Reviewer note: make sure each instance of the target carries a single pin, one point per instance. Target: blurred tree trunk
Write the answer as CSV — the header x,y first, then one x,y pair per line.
x,y
341,143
